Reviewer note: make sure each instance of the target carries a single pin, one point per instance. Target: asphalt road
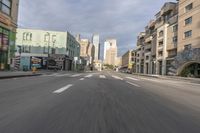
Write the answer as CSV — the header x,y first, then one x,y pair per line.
x,y
102,102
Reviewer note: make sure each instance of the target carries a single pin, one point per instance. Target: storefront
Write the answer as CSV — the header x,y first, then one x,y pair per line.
x,y
4,48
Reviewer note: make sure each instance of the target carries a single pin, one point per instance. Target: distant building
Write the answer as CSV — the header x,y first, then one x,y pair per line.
x,y
96,43
86,53
110,52
8,25
129,61
119,61
42,45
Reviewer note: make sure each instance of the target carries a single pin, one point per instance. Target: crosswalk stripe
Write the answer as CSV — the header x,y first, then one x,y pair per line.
x,y
76,75
102,76
62,75
81,79
88,76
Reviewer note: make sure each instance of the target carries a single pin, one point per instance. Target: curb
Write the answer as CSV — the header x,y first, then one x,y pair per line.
x,y
19,76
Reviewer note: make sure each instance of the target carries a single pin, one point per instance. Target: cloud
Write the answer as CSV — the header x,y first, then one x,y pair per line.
x,y
120,19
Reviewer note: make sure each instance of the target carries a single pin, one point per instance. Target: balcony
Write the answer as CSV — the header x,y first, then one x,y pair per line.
x,y
173,19
148,39
167,8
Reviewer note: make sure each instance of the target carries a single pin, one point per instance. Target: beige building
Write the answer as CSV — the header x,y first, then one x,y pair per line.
x,y
140,53
170,45
129,60
8,25
119,61
188,58
150,48
110,52
163,17
86,52
84,44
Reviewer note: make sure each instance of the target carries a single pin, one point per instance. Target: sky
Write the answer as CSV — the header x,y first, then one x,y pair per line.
x,y
120,19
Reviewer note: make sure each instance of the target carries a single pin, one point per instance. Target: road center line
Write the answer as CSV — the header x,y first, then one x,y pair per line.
x,y
63,89
116,77
132,84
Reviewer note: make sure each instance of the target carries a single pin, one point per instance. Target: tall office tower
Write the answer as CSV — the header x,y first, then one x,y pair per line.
x,y
96,43
110,51
106,47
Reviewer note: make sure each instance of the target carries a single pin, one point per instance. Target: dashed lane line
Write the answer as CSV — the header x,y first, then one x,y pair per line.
x,y
132,84
63,89
132,78
116,77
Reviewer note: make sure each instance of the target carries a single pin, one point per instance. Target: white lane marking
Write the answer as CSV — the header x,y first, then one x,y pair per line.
x,y
82,79
151,80
116,77
46,75
102,76
62,75
76,75
63,89
132,78
88,76
132,84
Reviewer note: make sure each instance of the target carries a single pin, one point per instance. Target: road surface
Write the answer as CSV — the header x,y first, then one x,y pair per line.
x,y
101,102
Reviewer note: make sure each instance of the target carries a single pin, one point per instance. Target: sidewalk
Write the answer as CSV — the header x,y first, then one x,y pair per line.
x,y
177,78
16,74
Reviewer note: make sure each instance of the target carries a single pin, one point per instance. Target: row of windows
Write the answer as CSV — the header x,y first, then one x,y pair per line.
x,y
187,22
5,6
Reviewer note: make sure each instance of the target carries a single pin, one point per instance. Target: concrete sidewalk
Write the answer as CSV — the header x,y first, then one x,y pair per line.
x,y
178,78
16,74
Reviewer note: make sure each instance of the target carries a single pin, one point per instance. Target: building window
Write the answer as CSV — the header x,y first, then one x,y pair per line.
x,y
161,33
160,43
188,21
175,28
188,47
189,7
175,39
5,6
188,33
160,53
